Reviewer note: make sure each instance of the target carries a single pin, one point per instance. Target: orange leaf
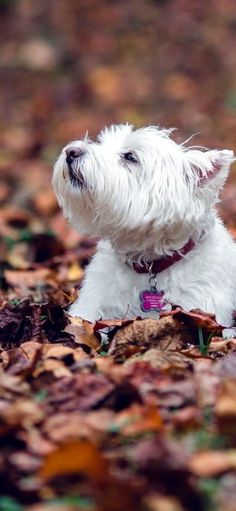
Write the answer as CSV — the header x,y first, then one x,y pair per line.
x,y
139,419
79,456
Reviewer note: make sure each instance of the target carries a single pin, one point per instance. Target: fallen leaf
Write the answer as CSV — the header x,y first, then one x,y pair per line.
x,y
137,419
147,330
25,462
30,278
13,386
56,367
166,361
225,399
75,272
83,332
17,361
225,407
188,418
82,391
80,456
64,427
21,413
15,324
111,323
45,202
12,219
198,318
158,502
218,344
212,463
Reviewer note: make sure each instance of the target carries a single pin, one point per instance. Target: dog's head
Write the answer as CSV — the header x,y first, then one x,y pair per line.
x,y
139,188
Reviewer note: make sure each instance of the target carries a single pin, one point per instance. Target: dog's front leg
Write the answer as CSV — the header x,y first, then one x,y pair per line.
x,y
88,304
92,295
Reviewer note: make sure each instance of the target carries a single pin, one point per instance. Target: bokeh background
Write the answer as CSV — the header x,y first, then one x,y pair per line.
x,y
68,66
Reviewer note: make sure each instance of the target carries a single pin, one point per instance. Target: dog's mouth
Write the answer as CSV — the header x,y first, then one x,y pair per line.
x,y
76,177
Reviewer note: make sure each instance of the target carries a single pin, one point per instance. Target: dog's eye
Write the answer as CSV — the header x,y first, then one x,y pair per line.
x,y
130,157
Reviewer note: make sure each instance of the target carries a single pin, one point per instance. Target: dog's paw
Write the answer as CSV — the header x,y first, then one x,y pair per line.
x,y
229,333
76,310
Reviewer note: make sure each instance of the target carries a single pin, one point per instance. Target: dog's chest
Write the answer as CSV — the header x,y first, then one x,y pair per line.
x,y
132,294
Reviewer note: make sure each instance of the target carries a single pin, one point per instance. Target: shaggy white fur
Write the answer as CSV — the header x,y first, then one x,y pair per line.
x,y
145,196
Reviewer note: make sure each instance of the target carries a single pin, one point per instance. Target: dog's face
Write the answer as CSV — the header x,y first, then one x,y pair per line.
x,y
139,188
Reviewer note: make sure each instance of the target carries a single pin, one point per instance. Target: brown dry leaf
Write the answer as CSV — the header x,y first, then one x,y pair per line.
x,y
36,442
30,349
138,419
31,278
64,427
82,391
107,366
19,361
165,360
79,456
83,332
11,386
54,366
198,318
207,382
157,502
226,399
167,330
71,238
58,351
22,412
25,462
187,418
45,201
11,219
212,463
111,323
220,344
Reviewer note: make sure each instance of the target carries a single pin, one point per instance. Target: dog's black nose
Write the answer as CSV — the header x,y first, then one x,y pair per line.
x,y
73,152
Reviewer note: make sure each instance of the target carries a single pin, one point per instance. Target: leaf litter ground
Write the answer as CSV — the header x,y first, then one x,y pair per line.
x,y
147,419
141,419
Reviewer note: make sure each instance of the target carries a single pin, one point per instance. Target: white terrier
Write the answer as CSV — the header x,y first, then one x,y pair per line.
x,y
152,202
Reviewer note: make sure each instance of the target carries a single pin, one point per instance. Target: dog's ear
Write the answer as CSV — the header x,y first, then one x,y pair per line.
x,y
208,169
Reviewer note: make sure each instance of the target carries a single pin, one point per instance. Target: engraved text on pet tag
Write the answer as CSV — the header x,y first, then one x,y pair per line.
x,y
153,299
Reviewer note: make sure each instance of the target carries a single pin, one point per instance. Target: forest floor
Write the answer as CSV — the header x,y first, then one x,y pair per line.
x,y
144,420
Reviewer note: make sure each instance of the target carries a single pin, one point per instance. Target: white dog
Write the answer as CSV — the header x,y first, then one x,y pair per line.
x,y
152,203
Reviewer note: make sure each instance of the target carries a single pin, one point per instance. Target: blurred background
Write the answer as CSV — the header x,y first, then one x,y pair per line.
x,y
68,66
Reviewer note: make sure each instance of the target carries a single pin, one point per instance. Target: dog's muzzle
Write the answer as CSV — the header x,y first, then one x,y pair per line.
x,y
73,155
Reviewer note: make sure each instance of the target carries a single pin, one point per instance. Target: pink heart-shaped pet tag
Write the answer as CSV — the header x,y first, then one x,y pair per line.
x,y
153,301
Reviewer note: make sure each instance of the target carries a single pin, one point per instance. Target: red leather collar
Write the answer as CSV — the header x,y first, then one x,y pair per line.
x,y
162,264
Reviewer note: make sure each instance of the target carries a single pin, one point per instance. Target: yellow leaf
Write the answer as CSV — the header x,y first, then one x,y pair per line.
x,y
75,272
